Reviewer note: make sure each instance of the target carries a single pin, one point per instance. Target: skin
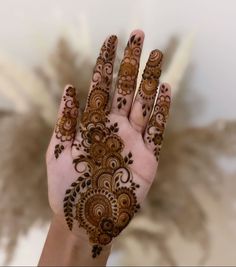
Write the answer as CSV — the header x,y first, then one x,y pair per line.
x,y
140,122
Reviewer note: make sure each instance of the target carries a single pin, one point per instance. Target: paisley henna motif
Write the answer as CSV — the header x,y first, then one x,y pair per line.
x,y
66,125
158,120
102,200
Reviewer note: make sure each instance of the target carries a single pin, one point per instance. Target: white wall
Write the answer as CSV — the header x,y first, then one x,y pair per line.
x,y
28,29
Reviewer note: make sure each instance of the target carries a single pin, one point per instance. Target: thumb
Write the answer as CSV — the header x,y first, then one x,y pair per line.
x,y
65,128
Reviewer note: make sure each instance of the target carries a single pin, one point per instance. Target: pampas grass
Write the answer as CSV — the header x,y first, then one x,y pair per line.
x,y
189,157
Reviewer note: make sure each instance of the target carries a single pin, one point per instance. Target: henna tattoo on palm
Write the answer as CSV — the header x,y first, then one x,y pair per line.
x,y
103,197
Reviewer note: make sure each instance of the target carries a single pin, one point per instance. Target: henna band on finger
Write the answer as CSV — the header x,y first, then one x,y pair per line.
x,y
65,129
156,125
150,81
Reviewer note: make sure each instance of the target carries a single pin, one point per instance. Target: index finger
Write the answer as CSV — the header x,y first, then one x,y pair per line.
x,y
98,97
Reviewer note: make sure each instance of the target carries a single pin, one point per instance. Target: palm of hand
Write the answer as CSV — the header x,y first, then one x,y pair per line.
x,y
105,168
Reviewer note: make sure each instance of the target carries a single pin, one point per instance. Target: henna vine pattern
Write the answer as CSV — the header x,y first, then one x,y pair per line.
x,y
150,81
102,200
66,125
158,120
126,82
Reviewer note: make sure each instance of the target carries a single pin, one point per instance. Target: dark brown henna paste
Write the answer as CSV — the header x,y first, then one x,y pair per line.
x,y
58,149
127,75
66,125
150,81
158,120
102,200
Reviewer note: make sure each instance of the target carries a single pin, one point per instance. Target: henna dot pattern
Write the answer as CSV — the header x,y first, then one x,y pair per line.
x,y
158,120
66,125
150,80
127,75
102,199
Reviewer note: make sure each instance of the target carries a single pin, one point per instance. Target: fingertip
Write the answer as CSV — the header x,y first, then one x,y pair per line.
x,y
155,51
111,39
114,37
138,32
108,49
156,55
68,86
69,91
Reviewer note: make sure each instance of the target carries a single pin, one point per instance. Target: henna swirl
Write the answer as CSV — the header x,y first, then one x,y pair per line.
x,y
108,203
127,75
158,120
150,80
102,200
104,67
66,125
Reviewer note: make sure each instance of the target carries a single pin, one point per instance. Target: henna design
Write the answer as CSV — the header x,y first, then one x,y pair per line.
x,y
150,81
102,200
127,75
158,120
103,70
66,125
58,149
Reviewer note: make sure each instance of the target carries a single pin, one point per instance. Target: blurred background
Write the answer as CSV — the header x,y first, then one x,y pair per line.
x,y
189,217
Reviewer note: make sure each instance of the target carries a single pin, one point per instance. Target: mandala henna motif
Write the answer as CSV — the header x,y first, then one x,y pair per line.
x,y
102,200
126,82
66,125
150,81
158,120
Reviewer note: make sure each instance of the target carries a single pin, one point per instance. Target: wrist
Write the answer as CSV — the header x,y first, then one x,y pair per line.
x,y
75,238
68,248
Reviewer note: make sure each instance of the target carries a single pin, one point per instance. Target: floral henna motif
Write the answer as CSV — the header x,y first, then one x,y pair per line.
x,y
66,125
150,81
102,200
158,120
127,75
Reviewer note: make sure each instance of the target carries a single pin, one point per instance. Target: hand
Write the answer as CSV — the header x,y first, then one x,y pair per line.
x,y
101,166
